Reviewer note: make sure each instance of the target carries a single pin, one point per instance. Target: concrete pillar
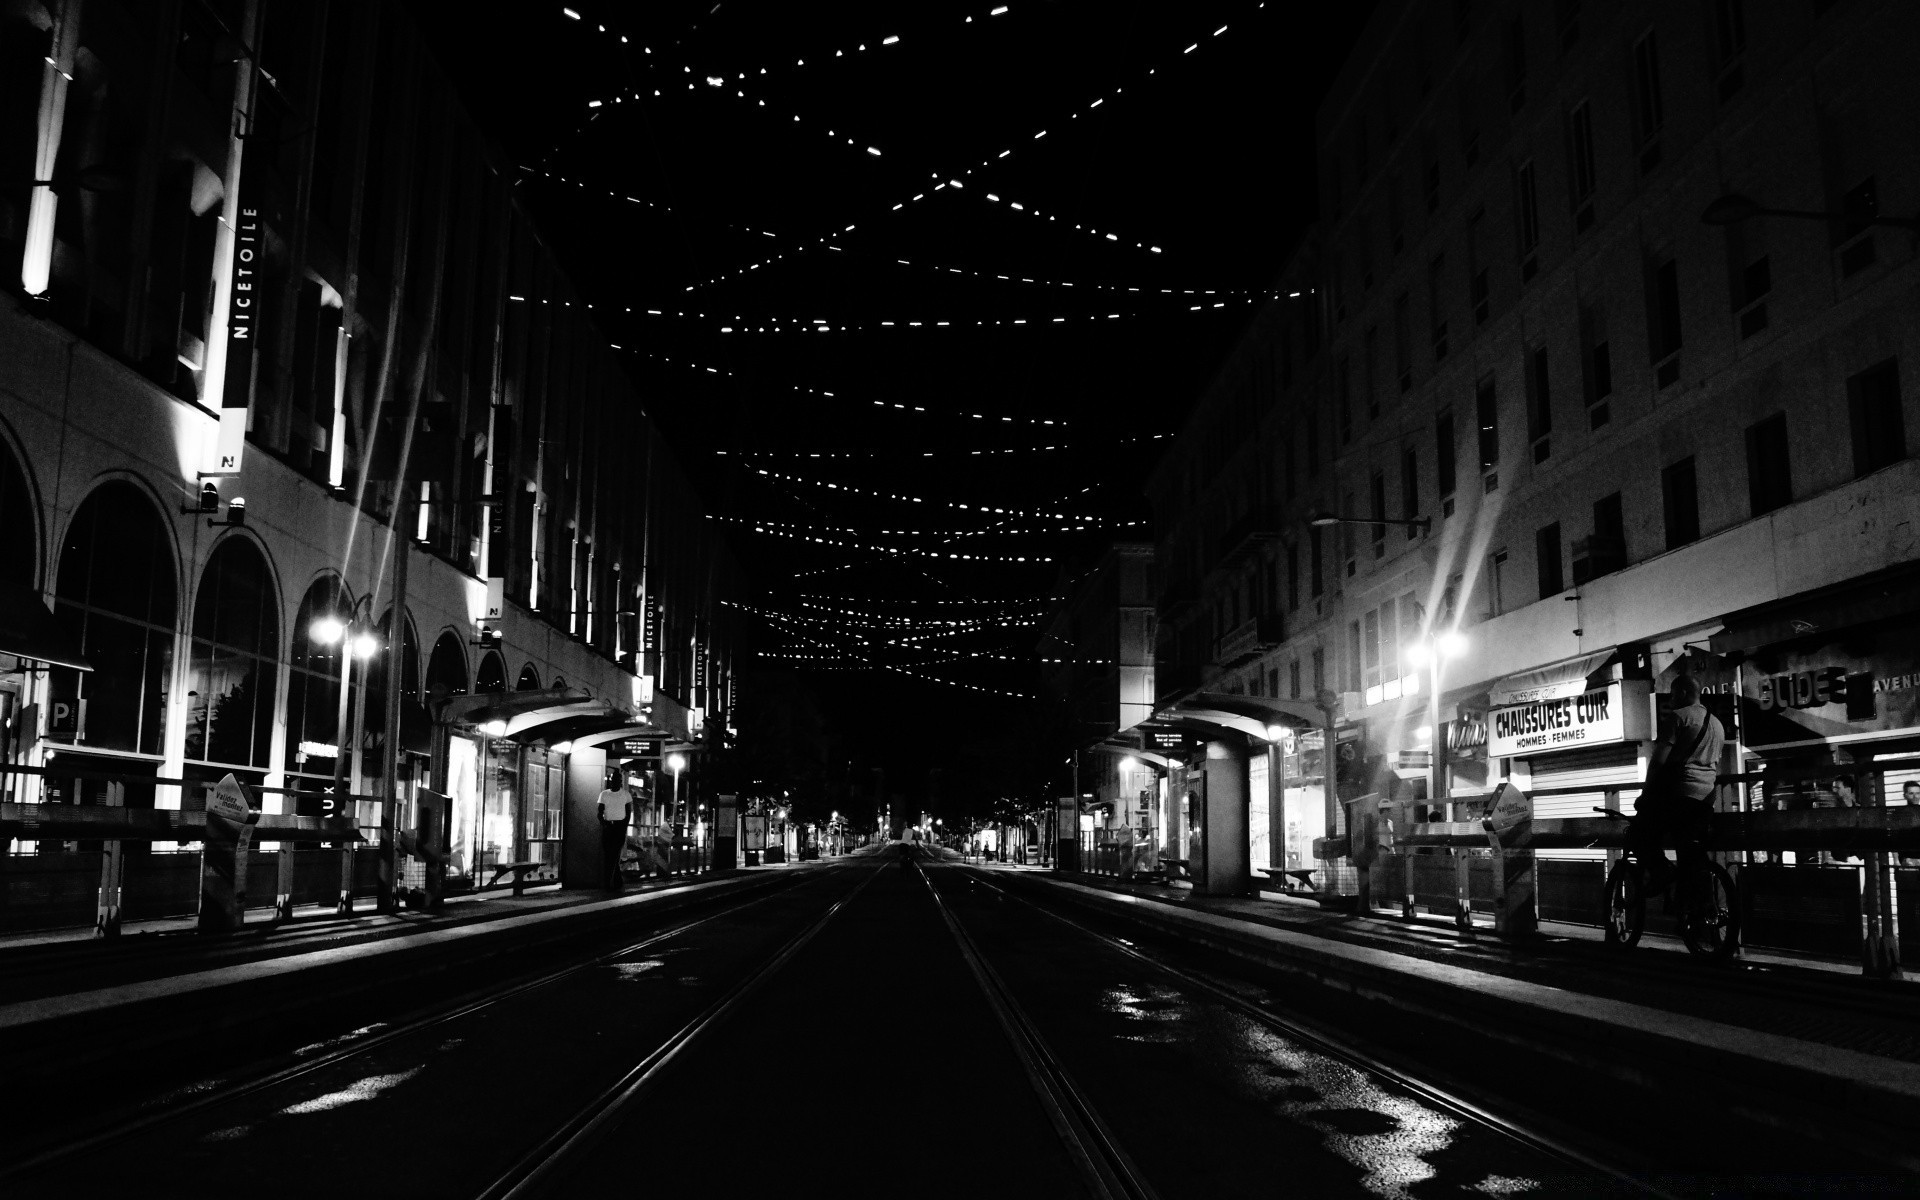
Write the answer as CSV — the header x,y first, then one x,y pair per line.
x,y
1226,868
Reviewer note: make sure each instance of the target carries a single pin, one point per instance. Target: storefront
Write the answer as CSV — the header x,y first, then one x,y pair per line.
x,y
1575,735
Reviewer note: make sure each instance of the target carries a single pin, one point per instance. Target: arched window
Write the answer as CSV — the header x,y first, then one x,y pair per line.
x,y
116,594
414,731
529,680
447,669
313,681
234,662
559,684
492,675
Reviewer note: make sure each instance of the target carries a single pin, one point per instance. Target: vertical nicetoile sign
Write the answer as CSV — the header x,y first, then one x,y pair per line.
x,y
243,308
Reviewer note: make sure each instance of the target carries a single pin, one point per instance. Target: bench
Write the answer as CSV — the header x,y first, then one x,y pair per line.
x,y
518,869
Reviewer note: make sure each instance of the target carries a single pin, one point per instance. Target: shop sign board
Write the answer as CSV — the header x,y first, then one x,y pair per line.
x,y
1595,717
1859,681
756,832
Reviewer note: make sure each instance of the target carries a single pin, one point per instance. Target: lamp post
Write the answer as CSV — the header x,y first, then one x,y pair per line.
x,y
354,642
675,764
1423,524
1430,652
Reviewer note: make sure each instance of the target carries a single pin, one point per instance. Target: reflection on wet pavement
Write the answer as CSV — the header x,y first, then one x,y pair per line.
x,y
365,1089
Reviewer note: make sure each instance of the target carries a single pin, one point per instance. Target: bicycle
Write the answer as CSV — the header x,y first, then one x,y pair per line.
x,y
1709,899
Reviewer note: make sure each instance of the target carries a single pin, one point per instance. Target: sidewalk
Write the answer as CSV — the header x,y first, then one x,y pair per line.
x,y
49,982
1840,1043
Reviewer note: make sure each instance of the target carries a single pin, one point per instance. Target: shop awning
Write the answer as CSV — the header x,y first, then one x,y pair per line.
x,y
1880,596
564,722
501,706
1121,750
1554,682
28,630
1267,710
619,734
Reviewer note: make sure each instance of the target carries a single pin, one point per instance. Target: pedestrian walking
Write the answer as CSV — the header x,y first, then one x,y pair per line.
x,y
614,807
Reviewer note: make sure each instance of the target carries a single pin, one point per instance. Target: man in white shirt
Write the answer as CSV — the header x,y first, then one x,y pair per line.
x,y
614,805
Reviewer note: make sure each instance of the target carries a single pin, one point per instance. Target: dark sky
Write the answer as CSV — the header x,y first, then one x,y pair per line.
x,y
1205,154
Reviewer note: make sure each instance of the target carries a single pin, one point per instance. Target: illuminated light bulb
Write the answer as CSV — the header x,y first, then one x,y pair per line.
x,y
327,630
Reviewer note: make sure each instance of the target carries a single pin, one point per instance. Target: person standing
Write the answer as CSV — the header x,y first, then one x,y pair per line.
x,y
614,807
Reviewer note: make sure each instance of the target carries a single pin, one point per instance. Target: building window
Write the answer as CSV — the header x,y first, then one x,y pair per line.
x,y
1343,400
1377,502
1293,679
1516,65
1580,150
234,668
447,667
1605,550
1319,671
1680,500
1487,410
1478,293
1853,237
1769,475
1567,17
492,673
1596,366
1347,539
1403,340
1749,275
1648,114
1539,404
1354,683
313,682
1496,582
115,593
1873,407
1446,451
1410,489
1730,29
1546,546
1663,313
1436,314
1528,202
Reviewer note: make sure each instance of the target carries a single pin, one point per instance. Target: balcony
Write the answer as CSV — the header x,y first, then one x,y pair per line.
x,y
1249,640
1244,537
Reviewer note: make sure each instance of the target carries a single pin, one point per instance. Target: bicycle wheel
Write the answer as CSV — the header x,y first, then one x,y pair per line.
x,y
1626,905
1709,910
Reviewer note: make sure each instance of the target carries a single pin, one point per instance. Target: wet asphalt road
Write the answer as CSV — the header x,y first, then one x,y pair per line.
x,y
870,1064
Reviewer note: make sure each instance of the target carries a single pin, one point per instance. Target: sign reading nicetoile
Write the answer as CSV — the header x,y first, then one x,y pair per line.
x,y
1594,717
243,308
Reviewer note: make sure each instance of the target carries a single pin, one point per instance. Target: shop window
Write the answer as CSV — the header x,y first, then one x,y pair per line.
x,y
233,669
116,594
1873,407
492,674
313,681
529,680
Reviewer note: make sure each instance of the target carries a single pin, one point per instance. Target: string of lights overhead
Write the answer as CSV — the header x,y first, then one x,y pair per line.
x,y
849,544
782,619
896,496
996,530
895,405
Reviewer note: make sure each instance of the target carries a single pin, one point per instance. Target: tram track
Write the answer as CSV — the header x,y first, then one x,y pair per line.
x,y
536,1171
1106,1169
1298,1030
170,1109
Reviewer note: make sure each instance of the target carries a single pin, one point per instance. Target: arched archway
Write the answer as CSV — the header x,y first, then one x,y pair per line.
x,y
234,664
447,668
116,592
558,683
19,524
529,679
415,731
492,675
313,681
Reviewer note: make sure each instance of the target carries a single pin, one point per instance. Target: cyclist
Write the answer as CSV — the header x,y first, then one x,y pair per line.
x,y
1680,781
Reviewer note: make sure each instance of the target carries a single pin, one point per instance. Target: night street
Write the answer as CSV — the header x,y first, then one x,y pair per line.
x,y
1128,599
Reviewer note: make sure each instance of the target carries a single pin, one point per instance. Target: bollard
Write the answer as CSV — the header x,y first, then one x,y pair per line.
x,y
1463,915
283,887
344,905
1879,918
1406,891
113,865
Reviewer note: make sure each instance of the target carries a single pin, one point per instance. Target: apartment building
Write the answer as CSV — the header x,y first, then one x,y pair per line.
x,y
1595,359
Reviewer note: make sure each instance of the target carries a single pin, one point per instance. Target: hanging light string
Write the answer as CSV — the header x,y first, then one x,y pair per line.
x,y
919,602
956,453
1083,285
951,534
885,404
739,323
903,499
849,544
782,619
906,623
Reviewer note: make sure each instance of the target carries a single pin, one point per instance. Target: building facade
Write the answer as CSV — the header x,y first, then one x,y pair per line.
x,y
272,317
1546,380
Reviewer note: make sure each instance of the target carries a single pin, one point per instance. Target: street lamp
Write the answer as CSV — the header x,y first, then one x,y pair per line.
x,y
1430,652
356,641
1316,517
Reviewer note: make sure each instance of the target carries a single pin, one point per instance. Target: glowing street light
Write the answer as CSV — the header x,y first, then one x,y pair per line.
x,y
1430,653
